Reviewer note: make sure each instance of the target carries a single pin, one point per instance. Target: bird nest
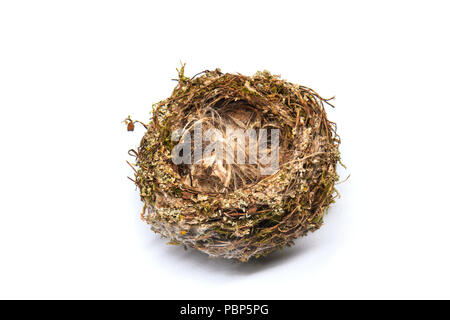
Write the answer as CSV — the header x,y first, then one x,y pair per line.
x,y
237,209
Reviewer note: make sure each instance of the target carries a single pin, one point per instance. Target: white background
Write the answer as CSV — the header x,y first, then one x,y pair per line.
x,y
71,71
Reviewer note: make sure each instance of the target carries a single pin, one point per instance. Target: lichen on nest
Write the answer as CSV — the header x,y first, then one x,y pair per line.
x,y
230,210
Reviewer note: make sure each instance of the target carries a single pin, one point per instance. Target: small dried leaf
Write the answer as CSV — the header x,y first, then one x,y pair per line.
x,y
186,195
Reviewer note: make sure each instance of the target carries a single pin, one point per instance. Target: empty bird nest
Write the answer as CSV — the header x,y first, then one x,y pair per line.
x,y
281,177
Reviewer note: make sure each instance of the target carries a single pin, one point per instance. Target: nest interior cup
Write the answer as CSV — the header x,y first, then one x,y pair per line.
x,y
245,209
